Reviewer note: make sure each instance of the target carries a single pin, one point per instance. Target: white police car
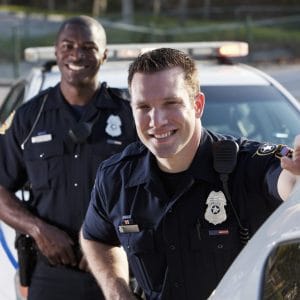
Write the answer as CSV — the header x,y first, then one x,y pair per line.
x,y
240,100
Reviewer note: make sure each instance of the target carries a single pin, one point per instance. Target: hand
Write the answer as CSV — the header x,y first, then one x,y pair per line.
x,y
293,164
55,244
83,265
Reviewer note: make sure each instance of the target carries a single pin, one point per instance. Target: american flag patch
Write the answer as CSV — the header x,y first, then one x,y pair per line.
x,y
218,232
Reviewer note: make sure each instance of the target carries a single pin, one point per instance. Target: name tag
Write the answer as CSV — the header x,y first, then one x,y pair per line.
x,y
41,138
129,228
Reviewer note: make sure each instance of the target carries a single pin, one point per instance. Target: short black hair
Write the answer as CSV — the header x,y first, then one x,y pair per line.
x,y
85,21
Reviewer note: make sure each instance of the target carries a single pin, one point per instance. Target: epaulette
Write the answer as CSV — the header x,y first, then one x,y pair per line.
x,y
122,94
32,106
134,149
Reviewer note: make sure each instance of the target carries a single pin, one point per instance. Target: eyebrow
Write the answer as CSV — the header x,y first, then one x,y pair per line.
x,y
72,41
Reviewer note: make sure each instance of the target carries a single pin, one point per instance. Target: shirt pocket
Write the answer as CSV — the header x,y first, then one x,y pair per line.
x,y
215,248
44,162
145,261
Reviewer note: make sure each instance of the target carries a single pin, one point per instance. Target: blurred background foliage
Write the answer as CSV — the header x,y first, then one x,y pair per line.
x,y
268,25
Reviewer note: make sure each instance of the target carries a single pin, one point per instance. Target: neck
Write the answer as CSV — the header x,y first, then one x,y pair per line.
x,y
76,95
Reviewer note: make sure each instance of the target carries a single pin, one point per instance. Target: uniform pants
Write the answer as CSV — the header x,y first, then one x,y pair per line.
x,y
61,283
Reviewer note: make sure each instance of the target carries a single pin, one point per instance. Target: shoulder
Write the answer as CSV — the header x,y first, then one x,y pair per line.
x,y
31,107
119,94
129,155
264,150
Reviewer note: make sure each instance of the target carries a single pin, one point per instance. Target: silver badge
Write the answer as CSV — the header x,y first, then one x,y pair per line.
x,y
215,212
113,125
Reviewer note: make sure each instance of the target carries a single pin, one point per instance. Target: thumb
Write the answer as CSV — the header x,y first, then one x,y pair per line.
x,y
293,164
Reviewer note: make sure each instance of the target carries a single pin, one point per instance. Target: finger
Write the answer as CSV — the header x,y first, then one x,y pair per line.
x,y
291,165
296,154
83,265
68,257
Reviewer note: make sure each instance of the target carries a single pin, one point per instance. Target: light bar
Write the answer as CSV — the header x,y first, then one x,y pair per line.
x,y
197,50
234,50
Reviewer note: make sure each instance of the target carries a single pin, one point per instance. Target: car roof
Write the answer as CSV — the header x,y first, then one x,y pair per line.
x,y
210,55
216,67
210,73
217,62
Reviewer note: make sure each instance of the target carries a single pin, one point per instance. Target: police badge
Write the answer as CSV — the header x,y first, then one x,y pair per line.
x,y
113,126
215,212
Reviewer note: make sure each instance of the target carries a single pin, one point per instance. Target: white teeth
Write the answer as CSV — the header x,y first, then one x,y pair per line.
x,y
161,136
76,68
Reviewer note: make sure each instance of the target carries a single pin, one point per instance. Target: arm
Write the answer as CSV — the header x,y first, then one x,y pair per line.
x,y
110,268
54,243
291,171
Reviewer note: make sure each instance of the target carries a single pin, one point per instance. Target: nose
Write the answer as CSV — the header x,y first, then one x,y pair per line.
x,y
157,117
78,53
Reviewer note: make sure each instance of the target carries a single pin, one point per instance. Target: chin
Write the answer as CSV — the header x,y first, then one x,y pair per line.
x,y
163,153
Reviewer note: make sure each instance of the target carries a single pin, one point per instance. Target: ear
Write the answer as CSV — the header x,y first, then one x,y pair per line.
x,y
55,51
104,57
199,104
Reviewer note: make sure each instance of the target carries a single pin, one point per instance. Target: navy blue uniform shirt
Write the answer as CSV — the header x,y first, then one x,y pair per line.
x,y
176,249
60,171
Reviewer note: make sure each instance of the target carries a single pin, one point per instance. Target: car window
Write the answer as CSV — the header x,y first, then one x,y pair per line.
x,y
282,273
13,99
256,112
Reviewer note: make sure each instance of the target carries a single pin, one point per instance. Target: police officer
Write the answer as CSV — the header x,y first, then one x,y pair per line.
x,y
55,143
185,200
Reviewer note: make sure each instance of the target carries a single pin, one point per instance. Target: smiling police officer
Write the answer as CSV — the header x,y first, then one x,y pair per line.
x,y
185,200
55,143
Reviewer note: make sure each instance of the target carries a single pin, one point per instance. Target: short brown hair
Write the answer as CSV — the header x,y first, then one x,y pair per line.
x,y
165,58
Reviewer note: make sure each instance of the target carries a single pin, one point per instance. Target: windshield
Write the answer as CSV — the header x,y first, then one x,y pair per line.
x,y
256,112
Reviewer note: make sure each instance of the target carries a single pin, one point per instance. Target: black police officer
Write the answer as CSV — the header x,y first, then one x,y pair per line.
x,y
55,143
185,200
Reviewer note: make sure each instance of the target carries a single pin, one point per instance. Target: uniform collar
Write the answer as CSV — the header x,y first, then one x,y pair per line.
x,y
144,168
102,99
201,168
202,165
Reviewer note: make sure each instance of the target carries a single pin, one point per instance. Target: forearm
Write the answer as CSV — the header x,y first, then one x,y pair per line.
x,y
285,185
110,268
14,213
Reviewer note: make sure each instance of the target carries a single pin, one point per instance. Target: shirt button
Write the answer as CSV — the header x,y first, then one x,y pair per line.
x,y
76,155
220,246
42,155
75,184
172,247
177,284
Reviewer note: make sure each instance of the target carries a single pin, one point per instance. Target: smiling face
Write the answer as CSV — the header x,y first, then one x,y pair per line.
x,y
167,119
80,50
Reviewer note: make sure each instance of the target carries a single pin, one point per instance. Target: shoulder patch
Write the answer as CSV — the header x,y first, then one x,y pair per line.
x,y
266,149
278,150
7,122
